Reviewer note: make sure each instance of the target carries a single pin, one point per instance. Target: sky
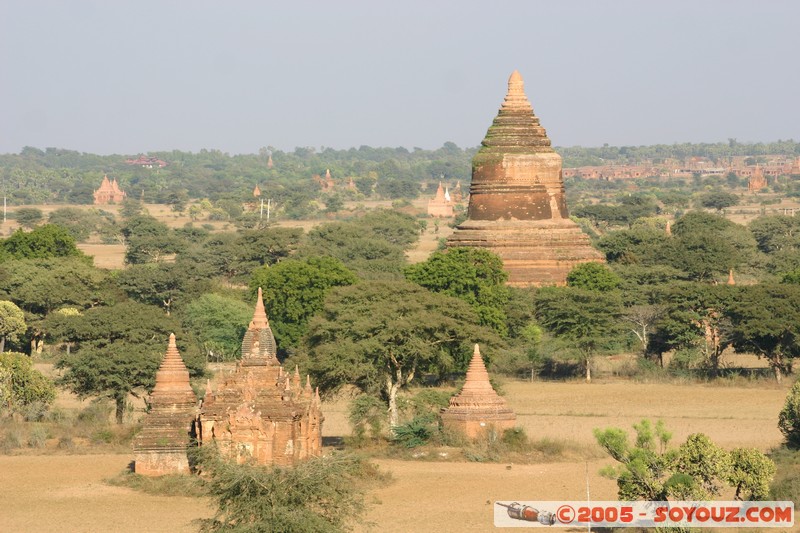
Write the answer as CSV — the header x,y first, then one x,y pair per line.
x,y
128,77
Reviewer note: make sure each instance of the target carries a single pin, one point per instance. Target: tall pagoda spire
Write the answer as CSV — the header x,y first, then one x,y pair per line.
x,y
160,447
258,345
517,203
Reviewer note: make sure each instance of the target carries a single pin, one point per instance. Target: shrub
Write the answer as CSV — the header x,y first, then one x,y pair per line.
x,y
367,415
22,387
320,495
38,436
789,417
416,432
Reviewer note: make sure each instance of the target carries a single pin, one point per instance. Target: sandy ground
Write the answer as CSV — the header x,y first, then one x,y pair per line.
x,y
66,493
61,494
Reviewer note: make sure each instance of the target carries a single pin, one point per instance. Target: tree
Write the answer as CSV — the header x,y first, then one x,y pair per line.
x,y
118,350
694,316
219,323
334,204
321,495
696,470
765,320
21,384
155,283
707,245
718,200
357,247
294,291
586,319
79,222
40,286
12,323
29,217
474,275
592,277
379,336
44,242
642,320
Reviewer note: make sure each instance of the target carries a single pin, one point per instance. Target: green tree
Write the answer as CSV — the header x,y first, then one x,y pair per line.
x,y
694,316
79,222
474,275
697,470
379,336
593,277
118,350
160,284
29,217
706,245
21,384
585,319
357,247
44,242
718,200
12,323
40,286
294,291
321,495
218,323
765,320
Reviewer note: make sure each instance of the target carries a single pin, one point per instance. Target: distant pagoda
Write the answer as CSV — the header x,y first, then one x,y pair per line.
x,y
168,429
517,205
260,412
108,193
478,407
440,206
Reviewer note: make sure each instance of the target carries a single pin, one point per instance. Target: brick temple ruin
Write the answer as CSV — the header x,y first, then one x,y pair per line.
x,y
260,412
441,205
477,408
517,205
109,192
168,429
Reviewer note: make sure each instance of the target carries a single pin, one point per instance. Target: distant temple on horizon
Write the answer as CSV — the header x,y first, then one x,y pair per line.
x,y
109,192
517,205
441,205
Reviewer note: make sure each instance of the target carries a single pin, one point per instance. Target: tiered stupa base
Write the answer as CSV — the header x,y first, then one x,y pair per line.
x,y
161,462
534,252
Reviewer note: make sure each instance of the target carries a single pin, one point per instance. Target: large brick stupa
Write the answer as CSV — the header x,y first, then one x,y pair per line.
x,y
517,206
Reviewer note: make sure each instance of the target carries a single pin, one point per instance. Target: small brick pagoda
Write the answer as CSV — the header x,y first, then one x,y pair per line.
x,y
517,206
757,181
160,448
108,193
477,407
440,206
260,412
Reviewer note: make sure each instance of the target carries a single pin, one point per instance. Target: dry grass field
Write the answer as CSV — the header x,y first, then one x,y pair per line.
x,y
65,493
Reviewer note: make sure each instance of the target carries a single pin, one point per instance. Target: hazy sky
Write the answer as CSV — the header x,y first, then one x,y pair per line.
x,y
112,76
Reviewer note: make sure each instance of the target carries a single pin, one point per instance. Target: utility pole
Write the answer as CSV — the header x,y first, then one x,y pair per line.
x,y
269,204
262,211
